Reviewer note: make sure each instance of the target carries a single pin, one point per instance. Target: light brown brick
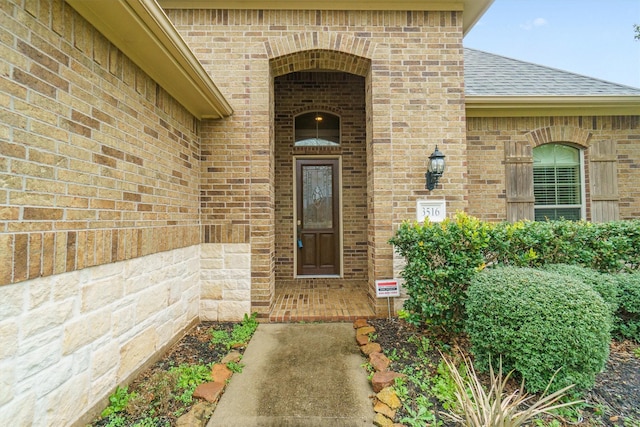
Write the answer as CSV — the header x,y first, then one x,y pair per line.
x,y
35,255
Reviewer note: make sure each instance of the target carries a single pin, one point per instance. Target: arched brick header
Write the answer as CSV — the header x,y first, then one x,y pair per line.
x,y
549,134
320,107
318,50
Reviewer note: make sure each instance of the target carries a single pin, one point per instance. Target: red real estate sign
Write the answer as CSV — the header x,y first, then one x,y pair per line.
x,y
387,288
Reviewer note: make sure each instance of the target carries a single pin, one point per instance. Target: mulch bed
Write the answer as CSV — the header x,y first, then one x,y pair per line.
x,y
194,348
616,392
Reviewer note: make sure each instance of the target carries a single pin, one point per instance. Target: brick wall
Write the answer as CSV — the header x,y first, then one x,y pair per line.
x,y
487,138
98,163
412,66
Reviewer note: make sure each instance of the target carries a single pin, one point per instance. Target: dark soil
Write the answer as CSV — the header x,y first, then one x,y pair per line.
x,y
614,400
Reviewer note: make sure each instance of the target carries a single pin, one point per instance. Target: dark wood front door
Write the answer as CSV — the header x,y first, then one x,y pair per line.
x,y
318,219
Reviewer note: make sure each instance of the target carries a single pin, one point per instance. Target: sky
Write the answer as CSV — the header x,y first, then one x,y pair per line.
x,y
589,37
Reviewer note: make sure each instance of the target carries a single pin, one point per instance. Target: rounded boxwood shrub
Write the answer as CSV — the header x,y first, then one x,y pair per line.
x,y
627,321
604,284
538,323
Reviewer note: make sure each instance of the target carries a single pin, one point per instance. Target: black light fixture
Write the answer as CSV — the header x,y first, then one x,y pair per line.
x,y
435,169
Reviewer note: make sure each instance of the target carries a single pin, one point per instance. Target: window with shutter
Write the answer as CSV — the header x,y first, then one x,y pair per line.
x,y
558,185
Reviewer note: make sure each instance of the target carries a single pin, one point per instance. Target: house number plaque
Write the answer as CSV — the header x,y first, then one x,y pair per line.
x,y
435,210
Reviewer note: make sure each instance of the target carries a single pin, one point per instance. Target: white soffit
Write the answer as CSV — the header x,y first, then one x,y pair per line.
x,y
472,9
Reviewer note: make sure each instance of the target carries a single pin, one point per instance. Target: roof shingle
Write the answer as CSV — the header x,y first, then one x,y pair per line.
x,y
488,74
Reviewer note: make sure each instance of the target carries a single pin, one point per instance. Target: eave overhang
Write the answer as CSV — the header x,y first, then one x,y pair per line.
x,y
472,9
536,106
143,32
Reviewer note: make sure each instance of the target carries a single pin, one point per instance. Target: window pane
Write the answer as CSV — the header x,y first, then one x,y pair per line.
x,y
557,181
553,214
317,196
317,128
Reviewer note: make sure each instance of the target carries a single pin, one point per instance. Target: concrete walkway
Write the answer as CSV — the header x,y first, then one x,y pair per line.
x,y
298,375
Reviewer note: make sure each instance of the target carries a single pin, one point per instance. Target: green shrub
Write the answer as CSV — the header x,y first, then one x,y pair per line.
x,y
605,285
627,320
441,259
538,323
606,247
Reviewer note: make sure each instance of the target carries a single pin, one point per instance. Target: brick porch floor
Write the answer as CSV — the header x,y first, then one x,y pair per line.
x,y
309,303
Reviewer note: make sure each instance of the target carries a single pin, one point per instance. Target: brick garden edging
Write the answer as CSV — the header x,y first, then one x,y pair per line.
x,y
385,402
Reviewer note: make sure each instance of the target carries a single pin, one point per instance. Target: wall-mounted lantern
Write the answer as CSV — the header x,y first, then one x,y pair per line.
x,y
435,169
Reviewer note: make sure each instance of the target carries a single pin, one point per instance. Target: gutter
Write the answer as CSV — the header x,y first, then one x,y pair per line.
x,y
528,106
144,33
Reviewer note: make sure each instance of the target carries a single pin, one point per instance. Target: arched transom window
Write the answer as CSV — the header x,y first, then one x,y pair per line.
x,y
558,183
317,128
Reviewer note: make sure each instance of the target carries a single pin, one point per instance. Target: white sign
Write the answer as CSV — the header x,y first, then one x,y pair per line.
x,y
387,288
435,210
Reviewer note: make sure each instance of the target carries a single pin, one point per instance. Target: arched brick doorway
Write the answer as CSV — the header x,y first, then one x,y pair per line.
x,y
335,83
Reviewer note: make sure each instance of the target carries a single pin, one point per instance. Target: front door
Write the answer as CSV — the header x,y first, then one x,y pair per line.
x,y
318,220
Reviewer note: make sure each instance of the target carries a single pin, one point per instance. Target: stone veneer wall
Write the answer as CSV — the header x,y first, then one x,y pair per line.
x,y
487,138
225,279
68,340
412,63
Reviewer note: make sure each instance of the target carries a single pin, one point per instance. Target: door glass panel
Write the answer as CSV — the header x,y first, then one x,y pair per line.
x,y
317,197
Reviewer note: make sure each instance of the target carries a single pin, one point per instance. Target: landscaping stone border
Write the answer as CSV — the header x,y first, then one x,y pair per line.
x,y
386,401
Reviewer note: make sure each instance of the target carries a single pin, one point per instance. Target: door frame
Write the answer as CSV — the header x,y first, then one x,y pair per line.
x,y
295,216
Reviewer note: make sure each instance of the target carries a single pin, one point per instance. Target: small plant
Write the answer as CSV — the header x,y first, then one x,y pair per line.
x,y
117,401
423,415
240,335
190,377
539,422
392,354
219,337
243,332
418,377
147,422
116,421
423,345
400,388
494,408
367,367
444,387
235,367
571,414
